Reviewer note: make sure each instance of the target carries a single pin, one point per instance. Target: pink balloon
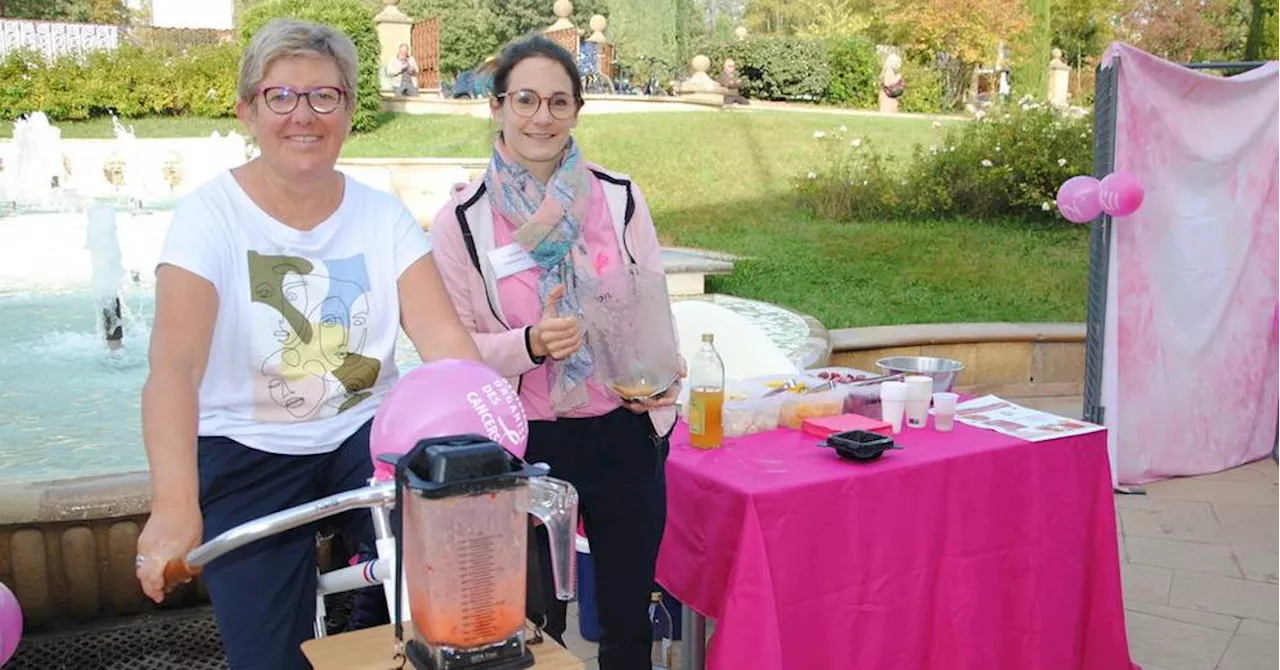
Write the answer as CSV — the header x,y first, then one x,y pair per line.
x,y
1078,199
10,624
1120,194
451,397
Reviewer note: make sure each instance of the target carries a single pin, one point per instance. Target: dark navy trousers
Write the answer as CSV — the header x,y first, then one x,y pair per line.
x,y
264,593
618,465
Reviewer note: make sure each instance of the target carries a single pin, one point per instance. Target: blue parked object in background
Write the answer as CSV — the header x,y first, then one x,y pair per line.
x,y
474,83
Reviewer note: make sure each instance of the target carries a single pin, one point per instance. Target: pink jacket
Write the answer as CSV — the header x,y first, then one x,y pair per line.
x,y
462,234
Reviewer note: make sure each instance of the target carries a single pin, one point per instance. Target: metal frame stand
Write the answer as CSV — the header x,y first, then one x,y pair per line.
x,y
1105,107
693,645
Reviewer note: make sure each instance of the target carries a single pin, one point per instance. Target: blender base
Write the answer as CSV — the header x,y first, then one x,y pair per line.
x,y
421,659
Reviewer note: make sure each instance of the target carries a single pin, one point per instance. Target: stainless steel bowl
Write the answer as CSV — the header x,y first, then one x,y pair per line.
x,y
942,370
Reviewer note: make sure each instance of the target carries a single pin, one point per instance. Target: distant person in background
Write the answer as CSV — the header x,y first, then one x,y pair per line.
x,y
402,69
731,83
892,85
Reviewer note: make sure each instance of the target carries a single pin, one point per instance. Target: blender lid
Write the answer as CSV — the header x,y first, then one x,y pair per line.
x,y
441,467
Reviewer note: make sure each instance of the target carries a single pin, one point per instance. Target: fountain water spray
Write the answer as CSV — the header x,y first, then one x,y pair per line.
x,y
37,168
108,271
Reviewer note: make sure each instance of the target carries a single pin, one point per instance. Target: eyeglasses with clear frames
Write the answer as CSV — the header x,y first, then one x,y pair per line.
x,y
526,103
323,99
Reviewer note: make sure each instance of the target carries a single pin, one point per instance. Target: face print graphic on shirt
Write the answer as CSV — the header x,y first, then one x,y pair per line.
x,y
310,338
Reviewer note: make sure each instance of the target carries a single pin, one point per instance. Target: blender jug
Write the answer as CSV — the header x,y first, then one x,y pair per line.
x,y
627,314
463,540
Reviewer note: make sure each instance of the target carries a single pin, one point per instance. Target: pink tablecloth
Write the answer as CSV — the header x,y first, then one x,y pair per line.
x,y
965,550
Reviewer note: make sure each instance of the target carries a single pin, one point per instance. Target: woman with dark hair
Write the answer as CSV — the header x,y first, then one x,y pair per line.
x,y
512,247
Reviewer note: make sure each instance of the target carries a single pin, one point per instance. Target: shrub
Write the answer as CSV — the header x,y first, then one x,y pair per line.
x,y
854,72
352,17
128,81
858,182
925,93
777,68
1007,163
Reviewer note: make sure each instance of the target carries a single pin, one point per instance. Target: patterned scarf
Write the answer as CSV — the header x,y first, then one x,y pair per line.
x,y
549,220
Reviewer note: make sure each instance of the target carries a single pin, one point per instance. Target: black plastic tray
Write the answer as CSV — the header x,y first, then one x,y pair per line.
x,y
859,445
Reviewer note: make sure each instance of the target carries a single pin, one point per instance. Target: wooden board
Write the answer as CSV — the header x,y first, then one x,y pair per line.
x,y
373,649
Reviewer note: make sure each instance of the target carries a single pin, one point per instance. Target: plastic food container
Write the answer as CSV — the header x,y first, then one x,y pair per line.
x,y
749,416
797,407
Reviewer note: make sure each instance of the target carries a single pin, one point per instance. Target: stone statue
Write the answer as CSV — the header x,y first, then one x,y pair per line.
x,y
892,85
1059,79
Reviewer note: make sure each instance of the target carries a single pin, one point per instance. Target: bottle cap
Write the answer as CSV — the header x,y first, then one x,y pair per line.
x,y
708,337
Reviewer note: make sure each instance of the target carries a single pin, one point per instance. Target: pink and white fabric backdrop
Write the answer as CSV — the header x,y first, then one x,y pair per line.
x,y
1190,361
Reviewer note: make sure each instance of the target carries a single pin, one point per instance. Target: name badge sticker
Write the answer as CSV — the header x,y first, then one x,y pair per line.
x,y
509,260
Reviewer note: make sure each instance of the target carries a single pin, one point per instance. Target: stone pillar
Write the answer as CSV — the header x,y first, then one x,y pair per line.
x,y
598,24
1059,80
563,10
604,50
563,32
394,28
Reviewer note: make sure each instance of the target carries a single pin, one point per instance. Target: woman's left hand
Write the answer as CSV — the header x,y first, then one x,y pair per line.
x,y
667,399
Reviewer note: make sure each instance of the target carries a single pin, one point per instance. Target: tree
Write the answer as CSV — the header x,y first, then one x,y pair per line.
x,y
963,33
645,29
1184,30
1033,51
1264,20
75,11
829,19
1083,28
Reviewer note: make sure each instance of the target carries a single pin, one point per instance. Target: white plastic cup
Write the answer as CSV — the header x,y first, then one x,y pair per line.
x,y
893,404
917,412
918,387
944,411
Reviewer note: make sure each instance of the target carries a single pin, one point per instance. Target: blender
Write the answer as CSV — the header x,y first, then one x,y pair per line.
x,y
463,539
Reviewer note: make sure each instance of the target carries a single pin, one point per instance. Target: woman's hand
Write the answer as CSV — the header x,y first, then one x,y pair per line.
x,y
170,533
667,399
555,336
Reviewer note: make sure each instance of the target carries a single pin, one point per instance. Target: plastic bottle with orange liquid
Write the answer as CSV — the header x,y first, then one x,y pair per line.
x,y
706,396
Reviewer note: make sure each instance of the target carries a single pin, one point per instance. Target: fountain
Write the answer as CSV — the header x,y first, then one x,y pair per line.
x,y
37,166
104,250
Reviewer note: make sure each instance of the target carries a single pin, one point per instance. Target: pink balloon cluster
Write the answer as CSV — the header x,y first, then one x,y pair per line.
x,y
10,624
1082,198
442,398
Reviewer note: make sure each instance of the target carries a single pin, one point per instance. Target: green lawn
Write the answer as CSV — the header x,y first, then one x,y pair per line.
x,y
725,181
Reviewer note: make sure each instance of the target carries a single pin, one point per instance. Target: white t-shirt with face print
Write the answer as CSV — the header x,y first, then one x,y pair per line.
x,y
304,343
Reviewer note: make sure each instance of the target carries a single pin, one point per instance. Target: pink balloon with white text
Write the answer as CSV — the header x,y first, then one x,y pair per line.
x,y
1120,194
442,398
1078,199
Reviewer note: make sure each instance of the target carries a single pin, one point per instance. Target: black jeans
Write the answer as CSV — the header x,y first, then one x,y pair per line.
x,y
617,463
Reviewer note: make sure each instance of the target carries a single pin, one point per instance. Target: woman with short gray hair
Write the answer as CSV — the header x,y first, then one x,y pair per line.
x,y
280,292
